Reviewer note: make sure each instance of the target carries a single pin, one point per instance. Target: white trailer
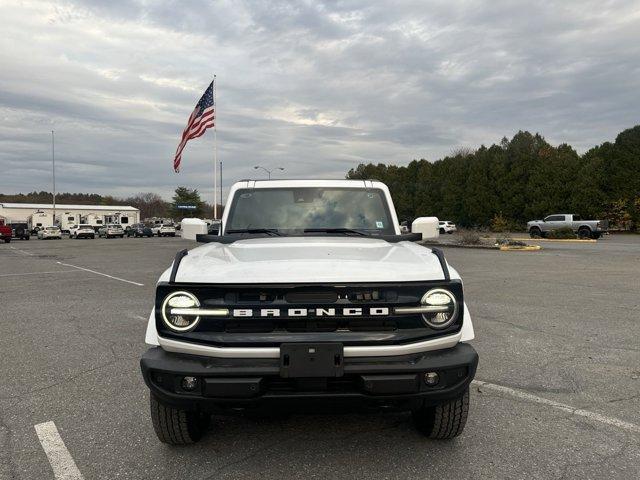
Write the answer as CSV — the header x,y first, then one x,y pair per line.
x,y
66,219
93,219
38,220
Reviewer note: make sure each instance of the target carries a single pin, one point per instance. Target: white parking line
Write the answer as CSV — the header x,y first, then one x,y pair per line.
x,y
100,273
21,251
64,468
612,421
34,273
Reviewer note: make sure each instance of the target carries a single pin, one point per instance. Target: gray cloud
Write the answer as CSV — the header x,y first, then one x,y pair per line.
x,y
315,87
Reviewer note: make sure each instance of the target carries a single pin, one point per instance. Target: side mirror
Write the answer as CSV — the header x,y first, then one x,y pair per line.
x,y
427,226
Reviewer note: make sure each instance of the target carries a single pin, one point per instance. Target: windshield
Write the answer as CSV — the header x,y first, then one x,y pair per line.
x,y
85,226
297,209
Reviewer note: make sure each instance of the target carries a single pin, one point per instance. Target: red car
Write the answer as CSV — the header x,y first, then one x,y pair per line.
x,y
5,232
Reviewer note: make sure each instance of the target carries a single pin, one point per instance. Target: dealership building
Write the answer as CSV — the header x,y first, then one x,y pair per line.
x,y
70,214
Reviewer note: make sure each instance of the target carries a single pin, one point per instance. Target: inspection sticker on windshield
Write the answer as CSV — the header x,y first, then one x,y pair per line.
x,y
379,224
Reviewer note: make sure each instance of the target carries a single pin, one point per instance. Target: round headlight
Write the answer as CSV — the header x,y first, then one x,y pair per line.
x,y
175,300
445,308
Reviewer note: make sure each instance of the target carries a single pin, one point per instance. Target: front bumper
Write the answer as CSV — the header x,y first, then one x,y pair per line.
x,y
233,382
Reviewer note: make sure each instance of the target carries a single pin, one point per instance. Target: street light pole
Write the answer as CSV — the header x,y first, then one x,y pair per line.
x,y
267,170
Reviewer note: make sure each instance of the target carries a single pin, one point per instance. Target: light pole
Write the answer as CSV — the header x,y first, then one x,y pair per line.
x,y
267,170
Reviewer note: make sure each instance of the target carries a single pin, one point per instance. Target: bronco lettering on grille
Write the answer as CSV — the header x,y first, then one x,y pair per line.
x,y
311,312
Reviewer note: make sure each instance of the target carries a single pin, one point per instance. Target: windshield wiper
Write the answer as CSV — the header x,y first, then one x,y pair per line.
x,y
345,231
268,231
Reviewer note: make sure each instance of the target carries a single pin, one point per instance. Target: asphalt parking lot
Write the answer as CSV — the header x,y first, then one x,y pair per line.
x,y
557,393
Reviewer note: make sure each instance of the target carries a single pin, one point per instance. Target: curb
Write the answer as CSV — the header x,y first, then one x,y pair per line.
x,y
527,248
576,240
455,245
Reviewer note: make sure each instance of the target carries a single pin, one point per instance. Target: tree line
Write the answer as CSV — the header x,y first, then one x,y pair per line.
x,y
521,179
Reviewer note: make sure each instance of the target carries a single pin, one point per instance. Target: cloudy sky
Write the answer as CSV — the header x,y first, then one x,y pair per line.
x,y
314,87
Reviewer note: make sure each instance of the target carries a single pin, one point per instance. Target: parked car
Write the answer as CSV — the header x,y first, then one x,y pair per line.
x,y
111,230
49,233
138,230
20,231
5,231
165,230
81,230
309,306
446,226
584,228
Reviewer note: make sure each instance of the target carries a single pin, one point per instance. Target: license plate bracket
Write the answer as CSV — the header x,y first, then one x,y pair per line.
x,y
300,360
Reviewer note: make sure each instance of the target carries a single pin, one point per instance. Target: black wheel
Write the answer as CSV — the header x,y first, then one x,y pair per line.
x,y
443,421
535,232
442,231
176,426
27,237
596,236
584,233
7,240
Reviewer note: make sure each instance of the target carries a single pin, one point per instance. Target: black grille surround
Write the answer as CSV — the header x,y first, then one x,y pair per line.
x,y
271,331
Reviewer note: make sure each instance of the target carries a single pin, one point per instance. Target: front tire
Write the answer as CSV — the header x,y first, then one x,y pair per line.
x,y
535,232
444,421
175,426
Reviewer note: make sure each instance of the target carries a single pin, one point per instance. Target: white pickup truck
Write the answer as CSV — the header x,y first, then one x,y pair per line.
x,y
584,228
309,293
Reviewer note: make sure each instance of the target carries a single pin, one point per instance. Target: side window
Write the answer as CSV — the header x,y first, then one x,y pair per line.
x,y
554,218
124,219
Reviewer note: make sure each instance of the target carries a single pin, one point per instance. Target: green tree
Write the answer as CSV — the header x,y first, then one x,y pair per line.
x,y
186,196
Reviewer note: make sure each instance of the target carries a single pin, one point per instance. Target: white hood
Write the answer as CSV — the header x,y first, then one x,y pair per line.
x,y
309,260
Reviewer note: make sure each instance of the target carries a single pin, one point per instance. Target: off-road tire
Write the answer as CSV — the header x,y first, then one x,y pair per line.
x,y
175,426
584,233
443,421
535,232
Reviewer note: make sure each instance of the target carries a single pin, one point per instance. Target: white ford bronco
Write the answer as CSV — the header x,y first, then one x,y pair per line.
x,y
308,295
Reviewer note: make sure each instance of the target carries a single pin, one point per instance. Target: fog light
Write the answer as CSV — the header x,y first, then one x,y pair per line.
x,y
189,383
431,378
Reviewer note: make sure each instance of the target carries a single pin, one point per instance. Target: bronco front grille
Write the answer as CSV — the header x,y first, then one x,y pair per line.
x,y
272,314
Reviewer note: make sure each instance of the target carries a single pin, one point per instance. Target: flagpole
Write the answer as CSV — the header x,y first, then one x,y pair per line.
x,y
53,167
215,152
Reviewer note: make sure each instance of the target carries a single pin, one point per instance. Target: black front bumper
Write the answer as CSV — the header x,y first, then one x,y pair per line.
x,y
397,381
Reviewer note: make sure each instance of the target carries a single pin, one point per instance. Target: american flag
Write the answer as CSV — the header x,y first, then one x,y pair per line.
x,y
203,117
